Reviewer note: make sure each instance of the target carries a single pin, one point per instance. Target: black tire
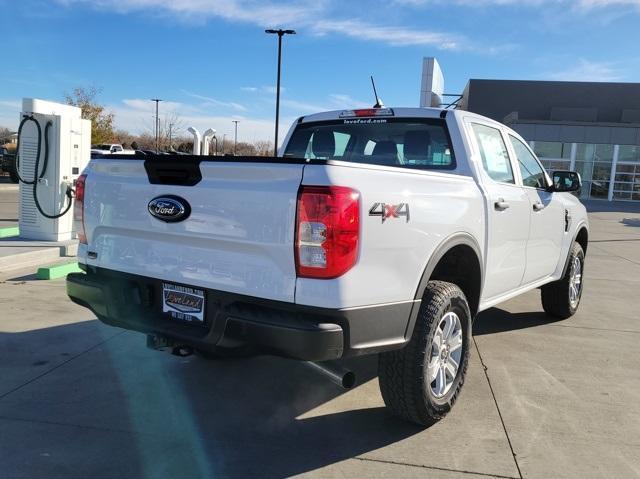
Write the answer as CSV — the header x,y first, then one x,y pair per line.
x,y
556,296
406,391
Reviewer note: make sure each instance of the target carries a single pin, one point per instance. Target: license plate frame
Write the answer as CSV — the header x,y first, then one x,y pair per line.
x,y
184,303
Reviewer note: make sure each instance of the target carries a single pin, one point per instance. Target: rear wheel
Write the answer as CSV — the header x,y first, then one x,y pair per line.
x,y
422,381
562,298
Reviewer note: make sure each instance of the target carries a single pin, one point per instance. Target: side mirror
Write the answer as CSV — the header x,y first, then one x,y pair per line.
x,y
566,181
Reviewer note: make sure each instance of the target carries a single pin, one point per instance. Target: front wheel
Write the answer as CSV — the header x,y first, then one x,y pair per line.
x,y
421,382
562,298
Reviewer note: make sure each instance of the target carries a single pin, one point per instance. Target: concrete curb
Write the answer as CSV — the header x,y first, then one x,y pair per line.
x,y
9,232
20,254
56,271
28,259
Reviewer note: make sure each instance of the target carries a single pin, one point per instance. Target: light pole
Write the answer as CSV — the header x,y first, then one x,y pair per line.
x,y
235,141
280,34
157,100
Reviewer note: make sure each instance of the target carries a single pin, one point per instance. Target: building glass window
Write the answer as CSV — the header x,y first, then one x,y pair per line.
x,y
553,165
532,173
552,149
553,155
593,162
629,153
627,181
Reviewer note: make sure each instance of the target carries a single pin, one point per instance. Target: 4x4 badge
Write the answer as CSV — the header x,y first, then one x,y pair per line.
x,y
386,211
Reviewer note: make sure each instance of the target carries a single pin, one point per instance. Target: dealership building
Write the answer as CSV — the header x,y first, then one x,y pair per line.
x,y
593,128
589,127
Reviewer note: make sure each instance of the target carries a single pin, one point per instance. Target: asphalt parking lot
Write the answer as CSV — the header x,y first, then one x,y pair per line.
x,y
542,399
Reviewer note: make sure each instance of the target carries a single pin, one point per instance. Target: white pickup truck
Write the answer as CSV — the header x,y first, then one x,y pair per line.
x,y
375,231
111,149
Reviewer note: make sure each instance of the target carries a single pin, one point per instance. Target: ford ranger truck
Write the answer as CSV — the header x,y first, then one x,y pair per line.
x,y
378,231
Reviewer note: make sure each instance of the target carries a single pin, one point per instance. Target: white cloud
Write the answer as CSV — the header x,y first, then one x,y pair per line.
x,y
340,100
302,107
584,5
137,116
310,15
266,13
589,4
586,70
144,105
208,101
10,113
270,89
393,35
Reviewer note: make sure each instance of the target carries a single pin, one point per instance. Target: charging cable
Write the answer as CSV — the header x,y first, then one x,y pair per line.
x,y
37,177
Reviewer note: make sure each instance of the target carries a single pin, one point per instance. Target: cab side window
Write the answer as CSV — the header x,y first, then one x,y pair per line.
x,y
532,172
493,151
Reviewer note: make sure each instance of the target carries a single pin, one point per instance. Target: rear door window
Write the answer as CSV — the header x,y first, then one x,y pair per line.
x,y
493,152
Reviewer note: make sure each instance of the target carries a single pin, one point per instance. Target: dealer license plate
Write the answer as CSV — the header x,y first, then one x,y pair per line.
x,y
183,303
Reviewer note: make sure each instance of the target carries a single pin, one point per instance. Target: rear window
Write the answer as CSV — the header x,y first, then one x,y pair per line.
x,y
404,143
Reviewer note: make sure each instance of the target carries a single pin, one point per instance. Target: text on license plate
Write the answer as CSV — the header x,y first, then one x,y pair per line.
x,y
182,302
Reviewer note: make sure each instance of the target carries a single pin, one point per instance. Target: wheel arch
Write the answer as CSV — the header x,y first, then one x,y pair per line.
x,y
582,238
458,260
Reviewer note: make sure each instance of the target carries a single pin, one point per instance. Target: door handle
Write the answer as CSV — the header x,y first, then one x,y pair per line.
x,y
538,206
501,204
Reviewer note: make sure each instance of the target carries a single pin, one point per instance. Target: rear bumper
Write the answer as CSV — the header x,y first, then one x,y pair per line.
x,y
231,320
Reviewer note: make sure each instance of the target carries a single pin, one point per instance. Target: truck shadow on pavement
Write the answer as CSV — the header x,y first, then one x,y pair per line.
x,y
93,401
496,320
600,206
90,400
631,222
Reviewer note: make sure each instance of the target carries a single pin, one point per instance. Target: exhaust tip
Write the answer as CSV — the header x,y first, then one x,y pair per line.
x,y
335,372
349,380
182,351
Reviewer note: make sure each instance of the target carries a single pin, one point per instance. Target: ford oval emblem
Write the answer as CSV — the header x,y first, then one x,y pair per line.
x,y
169,208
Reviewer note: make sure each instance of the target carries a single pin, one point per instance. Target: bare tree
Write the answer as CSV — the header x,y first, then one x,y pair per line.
x,y
170,127
263,147
245,149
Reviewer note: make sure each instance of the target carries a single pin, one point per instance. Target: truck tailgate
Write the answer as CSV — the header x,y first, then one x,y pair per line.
x,y
238,237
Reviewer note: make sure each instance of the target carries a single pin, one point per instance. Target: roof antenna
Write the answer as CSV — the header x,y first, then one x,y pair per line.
x,y
379,103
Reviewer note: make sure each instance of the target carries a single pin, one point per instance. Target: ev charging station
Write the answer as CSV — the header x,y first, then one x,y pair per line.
x,y
54,146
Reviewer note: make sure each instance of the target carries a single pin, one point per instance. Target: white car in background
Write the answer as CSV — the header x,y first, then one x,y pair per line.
x,y
111,149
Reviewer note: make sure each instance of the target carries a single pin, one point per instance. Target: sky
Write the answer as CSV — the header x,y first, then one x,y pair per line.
x,y
211,62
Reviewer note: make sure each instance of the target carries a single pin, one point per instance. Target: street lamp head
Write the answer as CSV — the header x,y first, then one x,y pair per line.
x,y
281,32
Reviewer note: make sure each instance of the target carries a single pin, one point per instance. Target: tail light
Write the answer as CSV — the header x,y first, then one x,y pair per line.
x,y
78,209
327,231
